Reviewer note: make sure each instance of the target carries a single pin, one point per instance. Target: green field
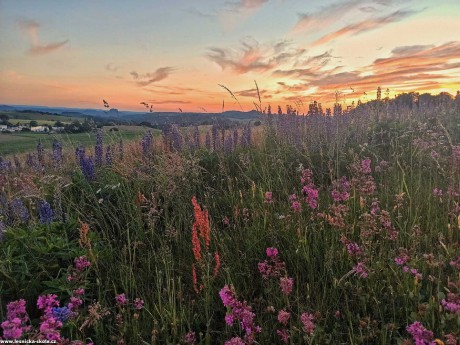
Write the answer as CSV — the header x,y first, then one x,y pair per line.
x,y
26,141
42,119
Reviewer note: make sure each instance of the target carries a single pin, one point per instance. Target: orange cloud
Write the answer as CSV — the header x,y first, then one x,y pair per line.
x,y
30,28
252,57
364,26
149,78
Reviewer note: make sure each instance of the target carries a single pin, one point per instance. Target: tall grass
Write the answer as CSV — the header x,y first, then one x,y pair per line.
x,y
364,267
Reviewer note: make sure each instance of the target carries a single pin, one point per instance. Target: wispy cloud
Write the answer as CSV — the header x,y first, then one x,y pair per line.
x,y
149,78
168,102
325,16
238,11
30,28
250,56
111,67
366,25
408,66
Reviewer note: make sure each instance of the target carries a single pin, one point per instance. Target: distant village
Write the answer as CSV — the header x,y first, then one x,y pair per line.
x,y
28,128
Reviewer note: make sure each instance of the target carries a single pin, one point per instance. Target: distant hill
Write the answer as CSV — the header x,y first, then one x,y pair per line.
x,y
155,118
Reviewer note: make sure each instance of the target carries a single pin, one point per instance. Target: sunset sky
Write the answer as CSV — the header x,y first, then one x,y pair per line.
x,y
173,54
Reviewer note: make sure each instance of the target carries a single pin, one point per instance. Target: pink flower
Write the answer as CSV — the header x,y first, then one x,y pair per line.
x,y
190,338
283,317
272,252
47,302
286,285
268,198
121,299
284,335
307,322
138,303
360,270
296,207
420,334
235,341
81,263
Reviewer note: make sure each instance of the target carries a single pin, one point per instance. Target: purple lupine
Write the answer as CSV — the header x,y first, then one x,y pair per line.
x,y
207,142
196,137
146,142
57,152
99,149
215,134
228,144
79,153
109,155
18,211
5,165
62,314
87,167
235,137
246,136
176,138
45,212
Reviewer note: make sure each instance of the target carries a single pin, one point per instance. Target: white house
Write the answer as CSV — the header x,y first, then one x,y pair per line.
x,y
39,129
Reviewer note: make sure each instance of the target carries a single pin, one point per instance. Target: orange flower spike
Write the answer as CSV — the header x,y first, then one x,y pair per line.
x,y
217,259
196,243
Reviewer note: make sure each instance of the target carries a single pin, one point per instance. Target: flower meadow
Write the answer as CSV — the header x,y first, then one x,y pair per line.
x,y
304,230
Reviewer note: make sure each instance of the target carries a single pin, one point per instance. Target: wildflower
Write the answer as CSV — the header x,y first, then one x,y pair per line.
x,y
62,314
455,263
239,311
296,207
87,168
438,192
190,338
283,334
360,270
272,252
283,317
235,341
16,318
286,285
451,339
81,263
354,249
138,303
308,323
98,149
366,166
121,299
46,212
420,334
217,260
57,152
201,223
18,210
268,198
47,302
452,303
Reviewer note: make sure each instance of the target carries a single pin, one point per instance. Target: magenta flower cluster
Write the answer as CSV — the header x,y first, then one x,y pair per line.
x,y
239,311
16,321
308,323
420,334
309,189
341,190
273,266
